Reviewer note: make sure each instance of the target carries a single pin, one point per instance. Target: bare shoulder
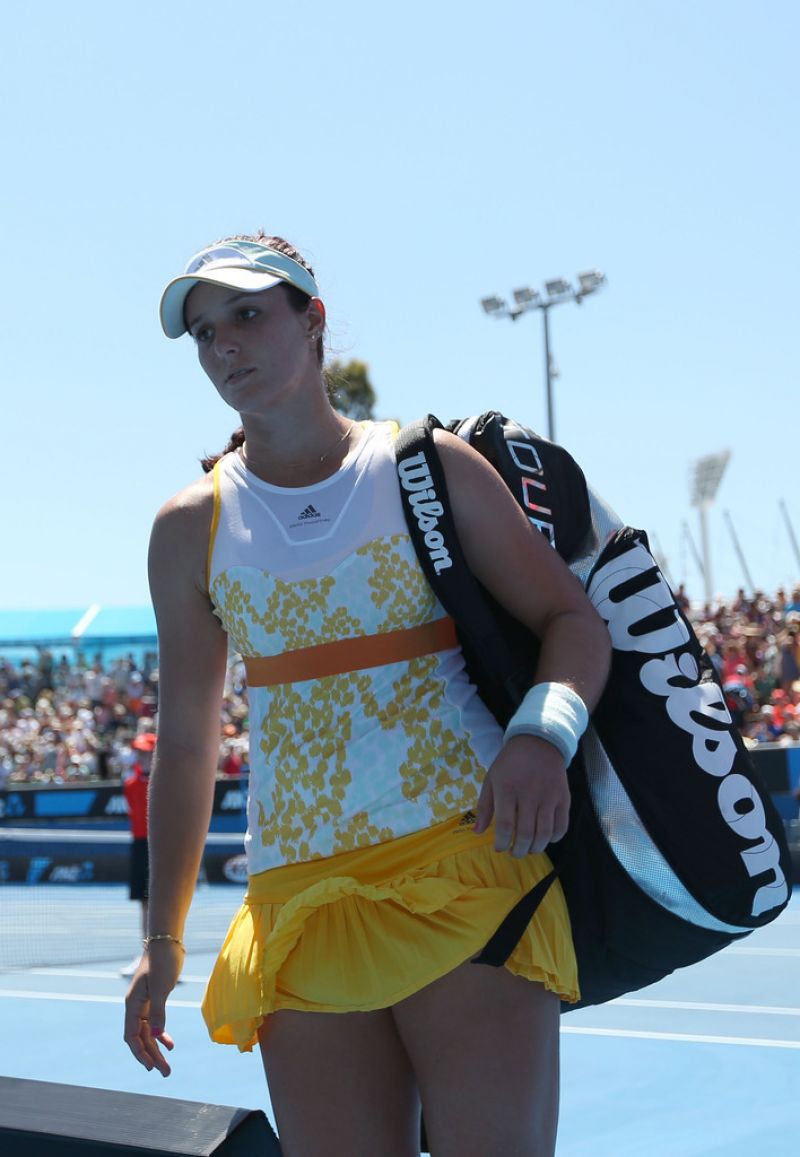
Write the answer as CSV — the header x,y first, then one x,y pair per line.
x,y
191,505
181,530
512,559
192,643
473,483
454,449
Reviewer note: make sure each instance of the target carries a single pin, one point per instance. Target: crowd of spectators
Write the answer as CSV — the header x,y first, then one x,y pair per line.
x,y
754,643
71,720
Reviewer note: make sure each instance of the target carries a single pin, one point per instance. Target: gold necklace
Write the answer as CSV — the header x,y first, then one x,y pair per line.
x,y
338,442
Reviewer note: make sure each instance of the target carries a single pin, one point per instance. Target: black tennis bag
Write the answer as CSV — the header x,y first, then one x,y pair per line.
x,y
674,847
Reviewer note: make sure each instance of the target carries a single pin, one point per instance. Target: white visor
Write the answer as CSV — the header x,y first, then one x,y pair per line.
x,y
244,265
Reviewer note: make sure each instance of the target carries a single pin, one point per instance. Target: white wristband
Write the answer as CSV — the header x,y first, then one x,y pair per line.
x,y
554,712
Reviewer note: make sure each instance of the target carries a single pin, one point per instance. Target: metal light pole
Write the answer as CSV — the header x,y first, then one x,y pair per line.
x,y
790,530
698,562
525,299
706,477
737,546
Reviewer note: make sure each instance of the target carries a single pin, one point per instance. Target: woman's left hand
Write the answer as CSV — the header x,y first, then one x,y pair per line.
x,y
527,792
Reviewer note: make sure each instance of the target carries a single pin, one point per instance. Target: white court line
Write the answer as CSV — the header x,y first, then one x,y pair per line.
x,y
738,950
789,916
701,1006
629,1002
686,1038
96,975
753,1042
88,998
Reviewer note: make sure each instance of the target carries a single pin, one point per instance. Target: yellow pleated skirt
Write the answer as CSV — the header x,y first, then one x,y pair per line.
x,y
364,929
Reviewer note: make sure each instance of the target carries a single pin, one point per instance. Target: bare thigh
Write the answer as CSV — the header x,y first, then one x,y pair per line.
x,y
484,1047
341,1084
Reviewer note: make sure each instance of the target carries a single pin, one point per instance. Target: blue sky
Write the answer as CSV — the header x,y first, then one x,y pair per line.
x,y
423,156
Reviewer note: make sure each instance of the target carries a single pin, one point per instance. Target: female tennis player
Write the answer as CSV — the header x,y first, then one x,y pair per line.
x,y
392,825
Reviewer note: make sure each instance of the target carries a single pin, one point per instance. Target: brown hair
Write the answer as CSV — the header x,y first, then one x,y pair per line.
x,y
297,299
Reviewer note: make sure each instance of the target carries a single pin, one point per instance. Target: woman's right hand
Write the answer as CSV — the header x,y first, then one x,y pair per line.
x,y
192,663
527,793
145,1004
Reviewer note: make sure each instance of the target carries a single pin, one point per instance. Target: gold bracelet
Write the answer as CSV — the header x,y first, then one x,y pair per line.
x,y
148,940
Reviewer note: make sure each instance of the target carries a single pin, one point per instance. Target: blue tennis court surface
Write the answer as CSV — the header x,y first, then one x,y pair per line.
x,y
705,1063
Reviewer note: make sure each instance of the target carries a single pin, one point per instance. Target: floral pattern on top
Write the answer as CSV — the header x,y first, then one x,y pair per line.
x,y
358,758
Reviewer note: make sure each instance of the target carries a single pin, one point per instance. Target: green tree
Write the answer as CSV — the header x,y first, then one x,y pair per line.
x,y
350,389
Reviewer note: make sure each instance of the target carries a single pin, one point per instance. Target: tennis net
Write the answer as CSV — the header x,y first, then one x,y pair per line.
x,y
64,897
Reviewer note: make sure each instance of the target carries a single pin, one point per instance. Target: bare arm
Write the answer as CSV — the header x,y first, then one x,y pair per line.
x,y
192,664
526,787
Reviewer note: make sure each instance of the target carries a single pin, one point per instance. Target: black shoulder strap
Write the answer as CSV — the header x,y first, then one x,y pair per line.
x,y
508,935
500,661
426,505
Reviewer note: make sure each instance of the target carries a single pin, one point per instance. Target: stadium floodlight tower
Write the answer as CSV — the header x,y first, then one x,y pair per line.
x,y
557,291
706,477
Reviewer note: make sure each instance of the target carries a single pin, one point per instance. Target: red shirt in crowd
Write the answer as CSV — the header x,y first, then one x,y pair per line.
x,y
135,788
232,764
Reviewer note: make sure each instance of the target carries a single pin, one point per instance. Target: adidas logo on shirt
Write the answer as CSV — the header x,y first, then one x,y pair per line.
x,y
309,512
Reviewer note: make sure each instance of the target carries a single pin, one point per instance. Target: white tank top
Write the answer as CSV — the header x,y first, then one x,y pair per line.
x,y
358,756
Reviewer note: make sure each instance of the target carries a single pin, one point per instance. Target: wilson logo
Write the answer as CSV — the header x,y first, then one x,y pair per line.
x,y
632,596
415,477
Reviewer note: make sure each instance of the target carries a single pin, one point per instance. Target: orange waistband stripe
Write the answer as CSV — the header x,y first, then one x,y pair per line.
x,y
351,654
